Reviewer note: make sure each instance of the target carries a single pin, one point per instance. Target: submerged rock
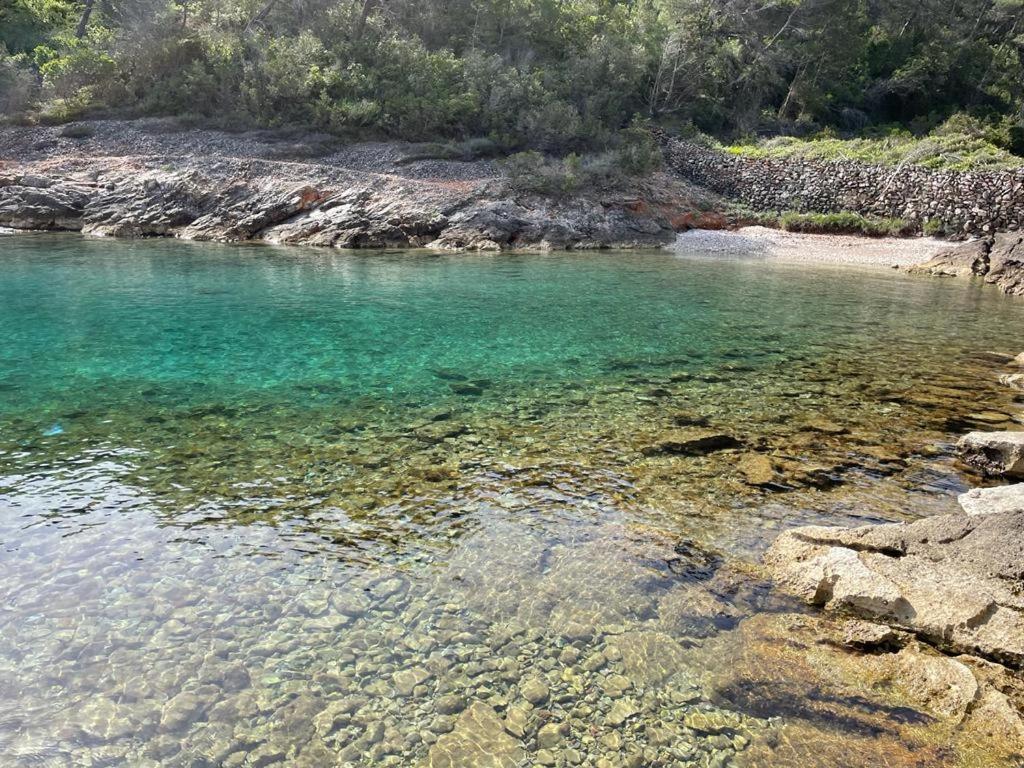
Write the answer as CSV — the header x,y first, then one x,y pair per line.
x,y
998,454
478,740
823,426
1013,380
954,580
756,469
691,442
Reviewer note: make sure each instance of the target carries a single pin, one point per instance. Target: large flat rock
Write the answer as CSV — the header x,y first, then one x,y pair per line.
x,y
957,581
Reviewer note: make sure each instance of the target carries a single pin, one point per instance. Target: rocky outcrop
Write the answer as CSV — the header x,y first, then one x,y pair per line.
x,y
999,260
32,202
953,580
997,454
193,207
203,185
579,223
981,202
1006,263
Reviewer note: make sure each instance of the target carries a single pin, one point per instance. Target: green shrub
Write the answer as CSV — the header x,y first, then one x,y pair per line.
x,y
530,172
934,228
77,131
845,223
19,88
638,154
80,73
944,148
552,127
467,151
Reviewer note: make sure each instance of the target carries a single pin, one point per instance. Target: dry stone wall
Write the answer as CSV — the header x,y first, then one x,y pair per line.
x,y
977,202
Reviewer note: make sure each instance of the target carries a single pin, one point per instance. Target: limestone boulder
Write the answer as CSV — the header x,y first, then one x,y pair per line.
x,y
1006,263
956,581
997,454
1002,498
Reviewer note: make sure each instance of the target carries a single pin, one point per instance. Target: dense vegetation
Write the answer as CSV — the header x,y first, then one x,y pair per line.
x,y
960,143
551,75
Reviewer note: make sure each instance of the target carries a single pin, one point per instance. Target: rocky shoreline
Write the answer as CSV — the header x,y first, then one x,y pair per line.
x,y
148,178
953,582
156,178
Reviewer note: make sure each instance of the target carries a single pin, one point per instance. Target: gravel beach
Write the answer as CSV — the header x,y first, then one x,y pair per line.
x,y
798,248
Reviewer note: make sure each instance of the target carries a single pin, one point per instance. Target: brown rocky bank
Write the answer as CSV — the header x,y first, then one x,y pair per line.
x,y
150,178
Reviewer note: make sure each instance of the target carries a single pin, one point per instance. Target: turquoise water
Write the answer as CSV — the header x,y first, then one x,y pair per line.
x,y
264,506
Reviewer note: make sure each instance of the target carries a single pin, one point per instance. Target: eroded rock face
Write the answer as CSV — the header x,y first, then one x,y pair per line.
x,y
32,203
238,201
1006,263
954,580
997,454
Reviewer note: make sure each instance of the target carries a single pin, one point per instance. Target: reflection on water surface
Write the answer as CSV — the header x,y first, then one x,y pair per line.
x,y
266,507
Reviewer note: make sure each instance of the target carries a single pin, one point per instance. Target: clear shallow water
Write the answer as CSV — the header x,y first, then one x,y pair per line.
x,y
268,506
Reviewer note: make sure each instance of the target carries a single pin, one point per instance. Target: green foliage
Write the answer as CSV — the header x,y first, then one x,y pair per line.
x,y
25,24
19,88
844,224
532,173
638,152
80,74
961,143
554,77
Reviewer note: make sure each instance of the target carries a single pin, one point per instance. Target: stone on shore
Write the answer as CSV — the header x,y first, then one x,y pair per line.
x,y
953,580
998,260
963,260
996,454
1006,263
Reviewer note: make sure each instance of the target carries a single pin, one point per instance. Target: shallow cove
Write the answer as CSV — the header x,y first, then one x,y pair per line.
x,y
276,506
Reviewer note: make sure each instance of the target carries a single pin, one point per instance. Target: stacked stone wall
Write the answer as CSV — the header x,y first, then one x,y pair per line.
x,y
965,202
